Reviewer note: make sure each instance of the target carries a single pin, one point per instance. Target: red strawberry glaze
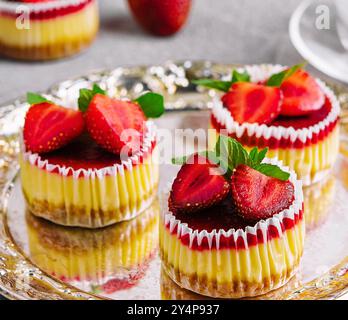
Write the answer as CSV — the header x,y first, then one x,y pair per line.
x,y
224,216
296,123
84,153
51,13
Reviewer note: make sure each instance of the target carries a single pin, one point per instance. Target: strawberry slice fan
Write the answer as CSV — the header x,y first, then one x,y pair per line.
x,y
285,109
78,169
234,225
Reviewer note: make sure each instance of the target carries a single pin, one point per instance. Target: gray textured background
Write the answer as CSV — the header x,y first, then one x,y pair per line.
x,y
248,31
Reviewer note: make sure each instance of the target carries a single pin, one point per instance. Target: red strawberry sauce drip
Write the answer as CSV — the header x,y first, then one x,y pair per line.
x,y
296,122
224,216
51,13
83,153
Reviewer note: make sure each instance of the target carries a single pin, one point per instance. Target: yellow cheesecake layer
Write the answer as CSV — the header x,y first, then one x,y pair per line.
x,y
233,273
90,201
80,254
311,163
50,38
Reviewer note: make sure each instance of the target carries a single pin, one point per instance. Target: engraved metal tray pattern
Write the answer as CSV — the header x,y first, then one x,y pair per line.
x,y
324,269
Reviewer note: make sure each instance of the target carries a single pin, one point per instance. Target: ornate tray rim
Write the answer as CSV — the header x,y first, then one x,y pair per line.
x,y
21,279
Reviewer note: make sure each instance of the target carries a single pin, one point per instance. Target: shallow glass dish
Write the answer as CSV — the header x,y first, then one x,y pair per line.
x,y
39,260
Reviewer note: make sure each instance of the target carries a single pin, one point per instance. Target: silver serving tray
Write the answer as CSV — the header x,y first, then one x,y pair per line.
x,y
324,268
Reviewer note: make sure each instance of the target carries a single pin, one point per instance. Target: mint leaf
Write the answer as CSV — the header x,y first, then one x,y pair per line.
x,y
261,155
86,95
180,160
152,104
214,84
240,77
223,85
34,98
231,154
272,170
253,154
277,79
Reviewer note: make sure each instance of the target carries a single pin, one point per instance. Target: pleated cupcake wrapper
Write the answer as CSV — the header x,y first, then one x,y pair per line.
x,y
261,73
56,29
146,149
213,238
97,256
95,197
43,7
196,261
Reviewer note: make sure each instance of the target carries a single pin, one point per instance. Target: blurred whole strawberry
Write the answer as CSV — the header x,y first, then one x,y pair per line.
x,y
161,17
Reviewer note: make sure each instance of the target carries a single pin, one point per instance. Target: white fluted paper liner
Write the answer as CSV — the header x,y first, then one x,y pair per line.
x,y
12,7
149,139
261,73
263,225
92,197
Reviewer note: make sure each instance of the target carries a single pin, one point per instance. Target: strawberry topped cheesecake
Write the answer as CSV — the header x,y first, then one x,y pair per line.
x,y
235,225
284,109
94,166
46,29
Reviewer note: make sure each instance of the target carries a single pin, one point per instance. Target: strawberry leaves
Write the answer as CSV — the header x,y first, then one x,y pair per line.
x,y
277,79
229,154
223,85
151,103
274,81
34,98
86,96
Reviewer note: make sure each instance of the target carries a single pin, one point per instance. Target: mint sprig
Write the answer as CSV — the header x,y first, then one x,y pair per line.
x,y
223,85
152,104
277,79
229,154
86,95
274,81
35,98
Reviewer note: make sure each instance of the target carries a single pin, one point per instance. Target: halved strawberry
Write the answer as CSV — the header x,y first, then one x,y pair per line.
x,y
258,196
196,187
107,119
301,95
49,127
252,102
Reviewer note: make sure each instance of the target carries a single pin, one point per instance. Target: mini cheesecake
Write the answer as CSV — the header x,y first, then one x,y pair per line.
x,y
84,185
234,238
43,30
77,169
305,140
104,260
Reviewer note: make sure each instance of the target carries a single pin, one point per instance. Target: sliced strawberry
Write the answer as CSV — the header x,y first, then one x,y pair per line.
x,y
258,196
253,103
301,95
49,127
198,185
107,119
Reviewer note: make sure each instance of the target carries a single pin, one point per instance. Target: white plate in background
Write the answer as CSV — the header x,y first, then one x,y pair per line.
x,y
322,48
